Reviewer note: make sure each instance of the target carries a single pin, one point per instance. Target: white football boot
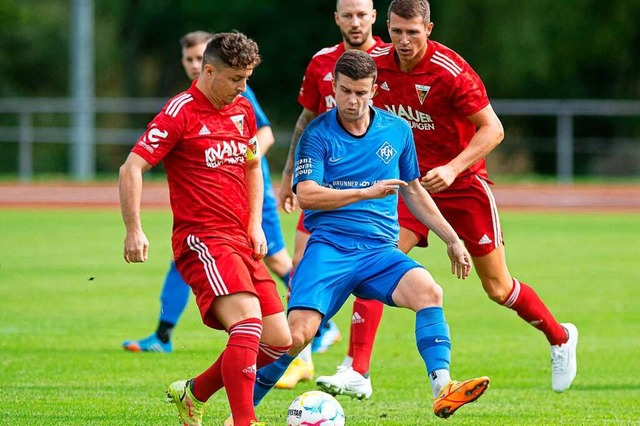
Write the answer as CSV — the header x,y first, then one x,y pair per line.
x,y
346,381
564,365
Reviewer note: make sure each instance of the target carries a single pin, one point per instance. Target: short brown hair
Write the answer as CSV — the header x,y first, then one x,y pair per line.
x,y
234,50
195,38
408,9
356,65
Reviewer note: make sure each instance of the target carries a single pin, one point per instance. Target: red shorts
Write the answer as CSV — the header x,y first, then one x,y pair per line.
x,y
214,267
471,211
300,226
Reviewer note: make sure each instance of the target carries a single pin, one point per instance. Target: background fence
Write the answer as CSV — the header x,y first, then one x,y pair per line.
x,y
38,136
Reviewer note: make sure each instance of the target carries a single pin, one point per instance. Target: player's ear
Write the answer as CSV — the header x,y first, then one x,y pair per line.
x,y
208,70
429,28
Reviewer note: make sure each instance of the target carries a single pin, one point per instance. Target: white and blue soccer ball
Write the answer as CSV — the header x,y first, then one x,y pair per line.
x,y
315,408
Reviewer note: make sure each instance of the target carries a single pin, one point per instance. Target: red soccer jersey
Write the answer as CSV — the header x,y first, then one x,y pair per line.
x,y
436,97
316,93
204,151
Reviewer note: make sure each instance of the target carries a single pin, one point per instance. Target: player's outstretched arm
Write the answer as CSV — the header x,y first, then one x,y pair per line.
x,y
136,245
425,210
286,197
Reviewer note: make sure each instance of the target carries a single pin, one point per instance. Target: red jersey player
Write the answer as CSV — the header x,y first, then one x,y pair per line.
x,y
355,18
454,128
206,139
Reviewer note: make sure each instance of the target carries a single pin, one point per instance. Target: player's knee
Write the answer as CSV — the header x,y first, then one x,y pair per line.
x,y
496,290
434,295
282,339
420,296
299,339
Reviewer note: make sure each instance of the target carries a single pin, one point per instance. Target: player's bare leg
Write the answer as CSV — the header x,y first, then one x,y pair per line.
x,y
502,288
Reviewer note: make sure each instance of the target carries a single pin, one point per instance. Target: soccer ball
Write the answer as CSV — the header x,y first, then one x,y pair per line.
x,y
315,408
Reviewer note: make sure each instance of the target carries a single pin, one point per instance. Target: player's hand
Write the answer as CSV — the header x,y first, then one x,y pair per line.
x,y
136,247
438,179
286,198
384,188
258,243
460,259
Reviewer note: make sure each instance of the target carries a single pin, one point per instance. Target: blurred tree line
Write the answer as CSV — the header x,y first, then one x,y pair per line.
x,y
521,49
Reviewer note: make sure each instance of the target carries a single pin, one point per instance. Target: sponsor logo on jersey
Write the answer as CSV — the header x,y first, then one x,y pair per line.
x,y
333,160
238,120
328,77
204,131
384,86
422,91
356,318
329,102
150,140
417,119
231,152
386,152
304,166
485,240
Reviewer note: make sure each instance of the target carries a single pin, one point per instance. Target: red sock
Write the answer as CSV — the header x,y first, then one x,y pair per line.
x,y
268,354
208,382
236,369
528,305
364,325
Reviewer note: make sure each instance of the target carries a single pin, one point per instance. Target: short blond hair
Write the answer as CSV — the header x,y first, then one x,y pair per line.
x,y
195,38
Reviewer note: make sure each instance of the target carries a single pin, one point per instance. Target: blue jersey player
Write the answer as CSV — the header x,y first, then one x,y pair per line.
x,y
351,163
175,292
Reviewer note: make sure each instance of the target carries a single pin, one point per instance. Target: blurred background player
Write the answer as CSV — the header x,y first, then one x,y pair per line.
x,y
355,19
351,163
454,128
175,292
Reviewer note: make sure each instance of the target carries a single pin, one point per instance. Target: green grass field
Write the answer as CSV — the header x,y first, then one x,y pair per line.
x,y
67,300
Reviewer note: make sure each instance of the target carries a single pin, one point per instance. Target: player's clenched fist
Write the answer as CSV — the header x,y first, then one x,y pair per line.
x,y
136,247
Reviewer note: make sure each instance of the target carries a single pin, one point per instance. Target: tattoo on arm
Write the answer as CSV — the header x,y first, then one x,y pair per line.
x,y
305,118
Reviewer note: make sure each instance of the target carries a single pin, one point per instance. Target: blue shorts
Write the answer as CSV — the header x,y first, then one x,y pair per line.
x,y
270,217
327,275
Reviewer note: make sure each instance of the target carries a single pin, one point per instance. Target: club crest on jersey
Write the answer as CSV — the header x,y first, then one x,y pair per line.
x,y
422,91
386,152
238,120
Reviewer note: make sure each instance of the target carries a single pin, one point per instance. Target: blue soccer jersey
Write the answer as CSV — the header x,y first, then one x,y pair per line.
x,y
270,217
333,158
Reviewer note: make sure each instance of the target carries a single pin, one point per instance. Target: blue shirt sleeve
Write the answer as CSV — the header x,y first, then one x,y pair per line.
x,y
261,117
409,169
309,159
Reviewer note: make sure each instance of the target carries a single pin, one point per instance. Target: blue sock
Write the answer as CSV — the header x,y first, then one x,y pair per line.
x,y
286,278
174,296
432,337
268,375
